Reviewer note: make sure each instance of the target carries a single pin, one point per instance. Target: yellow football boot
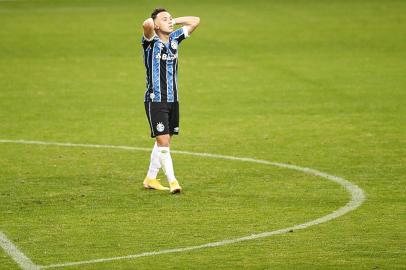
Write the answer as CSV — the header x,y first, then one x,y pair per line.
x,y
154,184
175,188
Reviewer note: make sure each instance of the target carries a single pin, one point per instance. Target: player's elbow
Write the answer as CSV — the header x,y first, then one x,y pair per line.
x,y
148,24
196,21
193,24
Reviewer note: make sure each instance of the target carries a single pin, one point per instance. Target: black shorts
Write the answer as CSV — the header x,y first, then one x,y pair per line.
x,y
163,117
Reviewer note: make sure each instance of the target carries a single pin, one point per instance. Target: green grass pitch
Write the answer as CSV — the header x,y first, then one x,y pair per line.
x,y
318,84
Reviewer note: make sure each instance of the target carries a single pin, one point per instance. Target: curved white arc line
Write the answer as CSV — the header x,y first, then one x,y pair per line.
x,y
357,198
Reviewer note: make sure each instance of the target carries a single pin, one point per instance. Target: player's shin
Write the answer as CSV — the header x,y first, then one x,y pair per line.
x,y
166,163
155,164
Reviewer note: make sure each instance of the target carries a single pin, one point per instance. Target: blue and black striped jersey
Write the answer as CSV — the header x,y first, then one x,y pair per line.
x,y
161,63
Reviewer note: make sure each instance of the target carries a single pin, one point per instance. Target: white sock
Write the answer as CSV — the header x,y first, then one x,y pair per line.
x,y
154,164
166,163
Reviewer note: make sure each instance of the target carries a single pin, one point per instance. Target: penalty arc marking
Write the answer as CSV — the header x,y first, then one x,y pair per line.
x,y
357,198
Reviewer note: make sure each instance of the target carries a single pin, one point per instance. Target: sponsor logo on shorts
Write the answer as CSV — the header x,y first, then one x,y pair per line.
x,y
160,127
176,129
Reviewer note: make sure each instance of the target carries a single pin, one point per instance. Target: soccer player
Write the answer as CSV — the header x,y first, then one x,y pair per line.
x,y
160,43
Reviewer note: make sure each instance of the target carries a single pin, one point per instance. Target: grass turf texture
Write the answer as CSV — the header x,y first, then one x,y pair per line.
x,y
313,83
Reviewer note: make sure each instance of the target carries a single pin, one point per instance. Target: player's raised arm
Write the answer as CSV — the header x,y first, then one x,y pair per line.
x,y
190,22
148,26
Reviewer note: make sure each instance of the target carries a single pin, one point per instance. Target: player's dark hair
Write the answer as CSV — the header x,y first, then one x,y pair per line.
x,y
156,11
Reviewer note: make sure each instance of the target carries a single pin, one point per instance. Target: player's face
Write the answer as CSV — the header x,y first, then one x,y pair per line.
x,y
163,22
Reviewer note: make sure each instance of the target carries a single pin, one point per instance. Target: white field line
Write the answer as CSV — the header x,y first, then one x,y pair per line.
x,y
357,198
23,261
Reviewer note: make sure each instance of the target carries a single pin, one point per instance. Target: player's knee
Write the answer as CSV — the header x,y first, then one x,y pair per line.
x,y
163,140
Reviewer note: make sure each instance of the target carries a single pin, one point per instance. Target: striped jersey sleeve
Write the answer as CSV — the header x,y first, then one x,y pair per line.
x,y
180,34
